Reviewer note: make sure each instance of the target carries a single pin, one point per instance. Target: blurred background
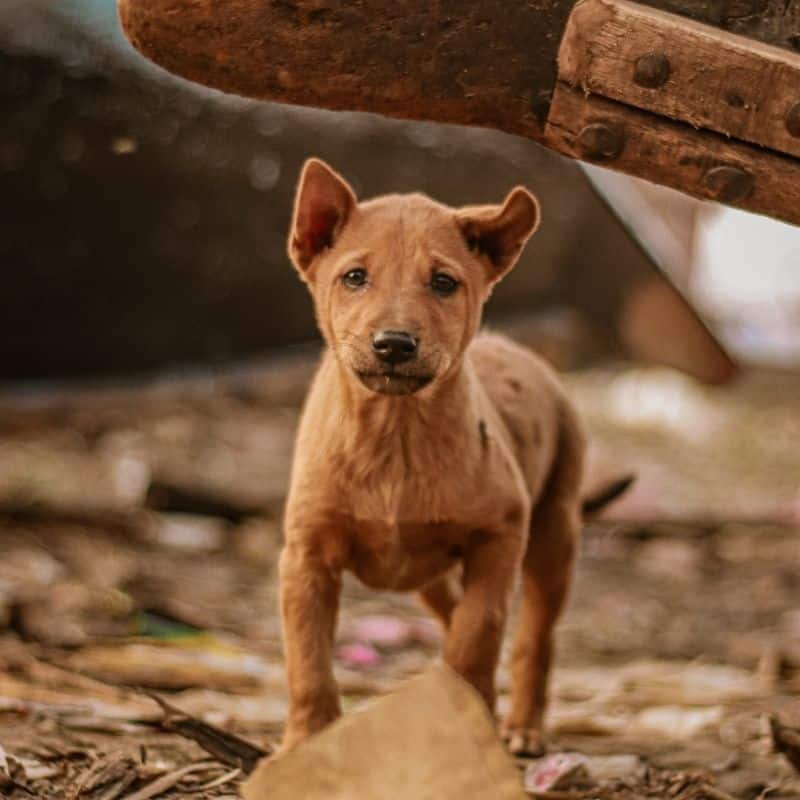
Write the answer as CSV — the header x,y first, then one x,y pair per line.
x,y
155,347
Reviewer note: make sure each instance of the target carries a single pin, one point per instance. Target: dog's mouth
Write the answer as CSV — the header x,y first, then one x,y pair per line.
x,y
391,382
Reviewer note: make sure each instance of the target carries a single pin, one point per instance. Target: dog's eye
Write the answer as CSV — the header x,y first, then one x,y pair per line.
x,y
443,284
355,278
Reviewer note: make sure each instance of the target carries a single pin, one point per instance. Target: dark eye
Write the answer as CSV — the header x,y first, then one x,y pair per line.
x,y
443,284
355,278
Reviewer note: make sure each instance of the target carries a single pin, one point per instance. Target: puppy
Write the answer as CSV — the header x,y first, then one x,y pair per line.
x,y
430,458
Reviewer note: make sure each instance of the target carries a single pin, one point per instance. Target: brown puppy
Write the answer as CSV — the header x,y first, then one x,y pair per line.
x,y
429,458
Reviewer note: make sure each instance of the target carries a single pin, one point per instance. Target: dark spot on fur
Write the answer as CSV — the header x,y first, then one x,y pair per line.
x,y
483,434
484,243
514,515
456,551
515,384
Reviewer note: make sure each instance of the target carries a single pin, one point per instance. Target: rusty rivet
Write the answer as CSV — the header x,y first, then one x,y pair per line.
x,y
793,120
652,70
728,184
601,141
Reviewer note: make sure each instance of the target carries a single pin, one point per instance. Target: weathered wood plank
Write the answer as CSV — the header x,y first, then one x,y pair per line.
x,y
481,62
700,163
684,70
477,62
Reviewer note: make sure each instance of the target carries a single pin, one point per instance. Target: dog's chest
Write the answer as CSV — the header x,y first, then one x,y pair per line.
x,y
407,495
404,556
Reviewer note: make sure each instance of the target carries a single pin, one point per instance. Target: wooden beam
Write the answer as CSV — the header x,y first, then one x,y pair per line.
x,y
704,164
477,62
684,70
492,63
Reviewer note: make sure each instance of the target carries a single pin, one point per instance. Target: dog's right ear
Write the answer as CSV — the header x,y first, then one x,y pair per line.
x,y
323,202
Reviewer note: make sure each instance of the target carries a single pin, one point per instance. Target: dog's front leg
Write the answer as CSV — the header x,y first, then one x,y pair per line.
x,y
472,645
309,605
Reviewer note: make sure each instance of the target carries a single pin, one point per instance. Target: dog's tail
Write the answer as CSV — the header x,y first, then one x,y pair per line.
x,y
597,501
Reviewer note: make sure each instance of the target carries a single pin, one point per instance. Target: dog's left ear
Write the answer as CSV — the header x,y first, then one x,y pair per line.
x,y
498,233
323,203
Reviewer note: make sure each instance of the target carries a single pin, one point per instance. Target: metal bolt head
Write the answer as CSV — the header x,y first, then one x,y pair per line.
x,y
652,70
540,105
733,99
729,184
792,120
601,141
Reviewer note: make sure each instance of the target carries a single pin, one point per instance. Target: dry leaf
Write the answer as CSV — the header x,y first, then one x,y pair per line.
x,y
431,740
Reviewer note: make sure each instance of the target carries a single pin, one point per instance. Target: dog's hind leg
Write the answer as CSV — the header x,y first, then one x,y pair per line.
x,y
441,596
546,576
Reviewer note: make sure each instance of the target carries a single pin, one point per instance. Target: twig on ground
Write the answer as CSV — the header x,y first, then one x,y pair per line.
x,y
224,746
220,781
160,785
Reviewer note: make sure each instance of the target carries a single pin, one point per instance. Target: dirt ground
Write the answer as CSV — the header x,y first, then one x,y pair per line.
x,y
139,529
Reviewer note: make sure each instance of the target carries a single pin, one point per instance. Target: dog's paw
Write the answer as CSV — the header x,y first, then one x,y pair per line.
x,y
524,742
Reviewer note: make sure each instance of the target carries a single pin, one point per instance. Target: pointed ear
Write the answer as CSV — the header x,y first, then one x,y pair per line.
x,y
498,233
323,202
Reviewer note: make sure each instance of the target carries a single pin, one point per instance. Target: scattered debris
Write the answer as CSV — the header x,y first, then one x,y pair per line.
x,y
114,769
166,782
220,781
679,637
570,770
786,740
557,771
204,660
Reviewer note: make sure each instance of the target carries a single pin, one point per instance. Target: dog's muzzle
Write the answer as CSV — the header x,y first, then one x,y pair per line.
x,y
392,382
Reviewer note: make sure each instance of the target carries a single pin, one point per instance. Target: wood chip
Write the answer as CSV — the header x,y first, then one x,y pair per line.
x,y
167,781
115,790
104,771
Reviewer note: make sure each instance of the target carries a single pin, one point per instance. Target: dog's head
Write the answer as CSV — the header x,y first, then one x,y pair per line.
x,y
399,282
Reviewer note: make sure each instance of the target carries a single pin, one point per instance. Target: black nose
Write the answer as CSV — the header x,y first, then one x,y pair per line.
x,y
394,347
